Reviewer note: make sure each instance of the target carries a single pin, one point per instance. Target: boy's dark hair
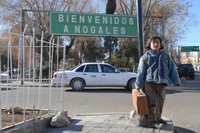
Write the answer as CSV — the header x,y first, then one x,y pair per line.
x,y
148,46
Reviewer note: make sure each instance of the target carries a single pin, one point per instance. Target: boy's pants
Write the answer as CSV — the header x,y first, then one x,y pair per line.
x,y
156,96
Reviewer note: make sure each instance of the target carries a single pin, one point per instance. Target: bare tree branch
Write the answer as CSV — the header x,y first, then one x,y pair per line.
x,y
28,4
132,9
122,8
83,6
126,9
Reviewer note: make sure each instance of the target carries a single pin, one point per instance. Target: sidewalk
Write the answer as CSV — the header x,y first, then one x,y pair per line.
x,y
108,123
26,84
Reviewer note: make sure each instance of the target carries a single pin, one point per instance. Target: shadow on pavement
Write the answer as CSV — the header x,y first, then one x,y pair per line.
x,y
123,90
7,89
182,89
101,90
171,91
183,130
74,127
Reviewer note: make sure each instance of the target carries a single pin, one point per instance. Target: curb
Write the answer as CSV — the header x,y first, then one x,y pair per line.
x,y
103,113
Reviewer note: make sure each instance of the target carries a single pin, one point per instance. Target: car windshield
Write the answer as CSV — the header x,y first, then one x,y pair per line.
x,y
74,67
69,68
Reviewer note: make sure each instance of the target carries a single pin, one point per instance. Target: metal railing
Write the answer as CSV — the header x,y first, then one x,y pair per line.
x,y
28,95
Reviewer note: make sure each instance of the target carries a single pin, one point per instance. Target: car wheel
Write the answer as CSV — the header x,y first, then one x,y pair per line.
x,y
192,77
77,84
131,84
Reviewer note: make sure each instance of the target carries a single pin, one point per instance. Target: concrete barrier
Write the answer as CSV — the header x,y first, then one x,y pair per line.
x,y
39,125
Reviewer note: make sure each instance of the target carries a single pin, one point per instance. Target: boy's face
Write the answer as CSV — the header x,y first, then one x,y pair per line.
x,y
155,44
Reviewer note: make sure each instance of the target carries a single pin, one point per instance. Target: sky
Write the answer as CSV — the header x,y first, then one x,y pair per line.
x,y
99,5
192,35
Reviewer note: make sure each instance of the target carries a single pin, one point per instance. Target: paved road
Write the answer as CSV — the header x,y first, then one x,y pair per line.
x,y
183,107
87,101
182,103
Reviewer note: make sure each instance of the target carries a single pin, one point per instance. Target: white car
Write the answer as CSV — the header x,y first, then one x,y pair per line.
x,y
93,74
4,77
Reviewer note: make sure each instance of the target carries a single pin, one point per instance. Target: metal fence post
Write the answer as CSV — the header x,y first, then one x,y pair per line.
x,y
0,100
41,62
50,73
21,46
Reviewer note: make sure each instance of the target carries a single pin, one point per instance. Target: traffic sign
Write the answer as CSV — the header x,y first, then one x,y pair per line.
x,y
190,49
65,23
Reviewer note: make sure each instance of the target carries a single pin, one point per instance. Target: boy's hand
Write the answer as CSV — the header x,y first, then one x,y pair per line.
x,y
177,85
140,90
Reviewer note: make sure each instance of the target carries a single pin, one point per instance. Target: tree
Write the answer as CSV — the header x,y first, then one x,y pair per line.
x,y
3,62
165,18
36,15
127,54
109,42
93,51
88,49
161,17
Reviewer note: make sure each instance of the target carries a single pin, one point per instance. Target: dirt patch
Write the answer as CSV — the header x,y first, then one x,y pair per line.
x,y
9,118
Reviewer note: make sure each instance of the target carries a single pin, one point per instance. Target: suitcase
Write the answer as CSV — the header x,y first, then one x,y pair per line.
x,y
140,102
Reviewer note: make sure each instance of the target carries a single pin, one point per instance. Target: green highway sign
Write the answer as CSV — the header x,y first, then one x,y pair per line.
x,y
65,23
190,49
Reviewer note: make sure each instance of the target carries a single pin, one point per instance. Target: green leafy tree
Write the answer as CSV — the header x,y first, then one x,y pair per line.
x,y
88,49
126,55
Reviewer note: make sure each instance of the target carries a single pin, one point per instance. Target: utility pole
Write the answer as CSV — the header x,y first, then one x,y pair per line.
x,y
110,9
140,27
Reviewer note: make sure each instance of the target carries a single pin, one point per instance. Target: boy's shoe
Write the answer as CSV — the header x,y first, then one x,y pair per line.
x,y
147,125
162,121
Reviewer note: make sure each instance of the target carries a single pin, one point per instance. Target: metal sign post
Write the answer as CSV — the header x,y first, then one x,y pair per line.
x,y
140,27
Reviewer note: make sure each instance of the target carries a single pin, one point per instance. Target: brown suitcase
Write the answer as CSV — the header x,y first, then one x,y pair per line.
x,y
140,102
